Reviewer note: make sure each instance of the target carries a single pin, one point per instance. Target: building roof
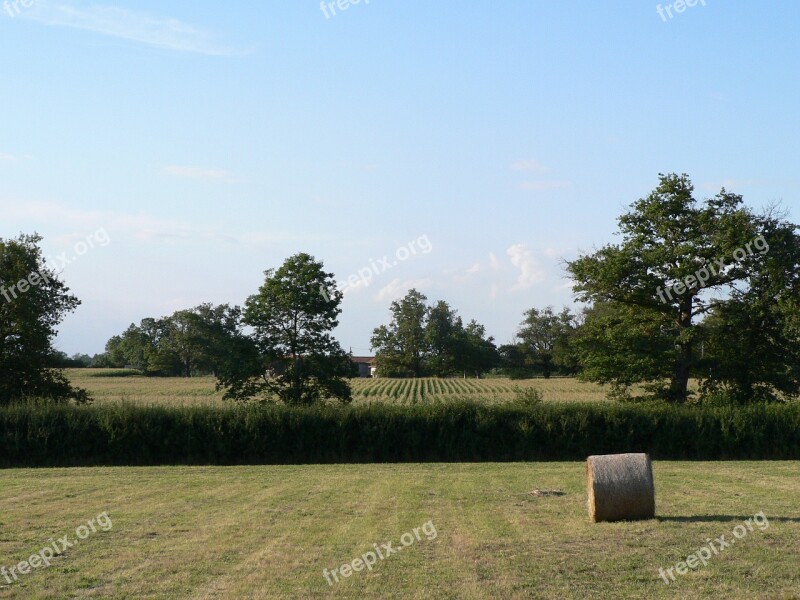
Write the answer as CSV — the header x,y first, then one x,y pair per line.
x,y
363,359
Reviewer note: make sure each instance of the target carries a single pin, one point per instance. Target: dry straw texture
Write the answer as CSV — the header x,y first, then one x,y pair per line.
x,y
620,487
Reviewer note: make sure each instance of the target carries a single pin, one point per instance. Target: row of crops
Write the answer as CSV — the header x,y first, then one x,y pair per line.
x,y
432,390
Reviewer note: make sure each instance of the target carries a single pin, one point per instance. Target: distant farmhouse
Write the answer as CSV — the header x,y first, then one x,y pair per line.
x,y
366,366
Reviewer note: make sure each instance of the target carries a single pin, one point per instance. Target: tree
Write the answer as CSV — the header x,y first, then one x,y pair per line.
x,y
201,337
431,340
514,361
401,346
476,352
114,355
190,342
622,345
444,332
33,301
545,336
751,344
61,360
678,258
142,347
291,353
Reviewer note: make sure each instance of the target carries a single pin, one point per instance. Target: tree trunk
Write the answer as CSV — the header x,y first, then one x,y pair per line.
x,y
679,385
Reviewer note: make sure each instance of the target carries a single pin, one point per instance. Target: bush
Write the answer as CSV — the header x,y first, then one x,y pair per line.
x,y
527,397
43,435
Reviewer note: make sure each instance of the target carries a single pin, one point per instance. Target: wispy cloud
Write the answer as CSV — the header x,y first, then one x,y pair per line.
x,y
140,227
530,273
397,288
530,165
12,157
541,186
479,268
134,26
198,173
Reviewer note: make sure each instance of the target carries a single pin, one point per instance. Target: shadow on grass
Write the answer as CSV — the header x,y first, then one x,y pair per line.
x,y
724,518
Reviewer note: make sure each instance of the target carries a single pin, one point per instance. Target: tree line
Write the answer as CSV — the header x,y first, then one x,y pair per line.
x,y
421,340
707,289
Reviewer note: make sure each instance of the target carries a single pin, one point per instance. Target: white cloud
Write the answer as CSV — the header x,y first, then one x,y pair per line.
x,y
531,165
541,186
113,21
479,269
397,288
524,260
198,173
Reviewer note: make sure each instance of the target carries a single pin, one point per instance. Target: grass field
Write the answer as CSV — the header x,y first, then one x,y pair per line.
x,y
481,532
268,532
201,390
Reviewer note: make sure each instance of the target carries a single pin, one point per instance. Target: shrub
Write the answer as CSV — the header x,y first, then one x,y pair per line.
x,y
39,435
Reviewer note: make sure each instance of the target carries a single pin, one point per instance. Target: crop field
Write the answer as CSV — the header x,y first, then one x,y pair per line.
x,y
484,531
411,391
125,386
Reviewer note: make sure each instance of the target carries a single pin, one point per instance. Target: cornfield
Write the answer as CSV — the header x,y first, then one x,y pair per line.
x,y
109,386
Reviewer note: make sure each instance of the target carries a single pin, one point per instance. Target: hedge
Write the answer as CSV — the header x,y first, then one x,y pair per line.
x,y
54,435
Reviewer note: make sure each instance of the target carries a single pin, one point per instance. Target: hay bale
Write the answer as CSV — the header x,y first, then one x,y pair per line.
x,y
620,487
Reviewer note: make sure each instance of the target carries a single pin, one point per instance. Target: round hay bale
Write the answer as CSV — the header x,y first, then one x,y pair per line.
x,y
620,487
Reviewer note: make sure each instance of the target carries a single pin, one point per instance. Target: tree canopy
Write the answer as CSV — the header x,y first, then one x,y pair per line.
x,y
425,340
33,301
679,261
291,354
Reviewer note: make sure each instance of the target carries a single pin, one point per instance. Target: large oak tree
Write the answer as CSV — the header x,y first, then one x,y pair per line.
x,y
679,259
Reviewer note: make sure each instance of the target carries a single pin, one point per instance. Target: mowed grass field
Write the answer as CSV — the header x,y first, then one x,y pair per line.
x,y
268,532
120,386
271,531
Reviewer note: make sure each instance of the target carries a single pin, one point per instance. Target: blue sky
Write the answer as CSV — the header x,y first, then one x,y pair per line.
x,y
212,140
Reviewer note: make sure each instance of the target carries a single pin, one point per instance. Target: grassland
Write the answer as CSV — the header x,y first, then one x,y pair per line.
x,y
268,532
121,386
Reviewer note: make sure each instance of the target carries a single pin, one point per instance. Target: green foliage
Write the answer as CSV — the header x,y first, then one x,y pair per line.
x,y
679,260
111,372
291,354
401,346
622,345
431,340
528,397
191,342
545,345
59,435
751,344
33,301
